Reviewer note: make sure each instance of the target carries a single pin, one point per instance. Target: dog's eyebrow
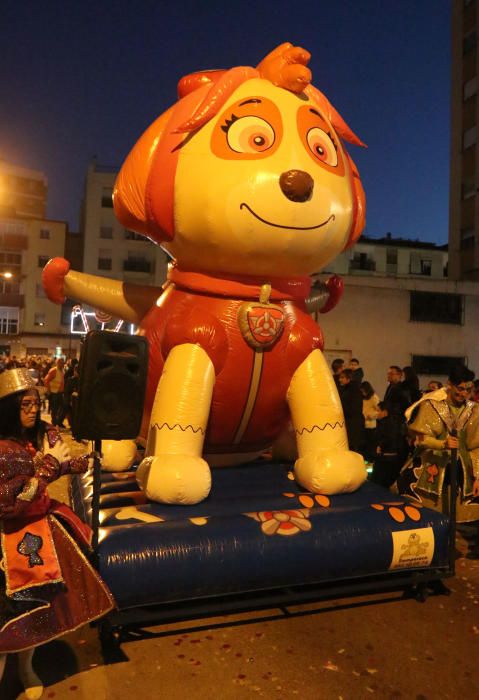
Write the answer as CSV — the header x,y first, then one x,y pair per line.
x,y
247,102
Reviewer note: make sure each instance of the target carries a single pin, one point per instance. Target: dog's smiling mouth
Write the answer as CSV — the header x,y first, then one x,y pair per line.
x,y
296,228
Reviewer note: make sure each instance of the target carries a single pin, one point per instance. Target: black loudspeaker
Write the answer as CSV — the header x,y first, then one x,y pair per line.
x,y
112,383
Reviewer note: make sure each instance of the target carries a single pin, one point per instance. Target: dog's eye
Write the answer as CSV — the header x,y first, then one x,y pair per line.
x,y
250,135
322,146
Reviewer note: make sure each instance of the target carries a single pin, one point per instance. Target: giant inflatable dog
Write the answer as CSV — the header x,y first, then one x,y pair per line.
x,y
246,183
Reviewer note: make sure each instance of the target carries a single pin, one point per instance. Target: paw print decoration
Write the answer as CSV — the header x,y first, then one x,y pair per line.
x,y
400,511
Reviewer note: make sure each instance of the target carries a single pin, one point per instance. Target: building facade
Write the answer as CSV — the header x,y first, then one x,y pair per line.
x,y
110,250
23,192
464,174
29,322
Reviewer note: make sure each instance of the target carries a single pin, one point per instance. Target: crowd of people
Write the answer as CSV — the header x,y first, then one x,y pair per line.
x,y
410,437
56,381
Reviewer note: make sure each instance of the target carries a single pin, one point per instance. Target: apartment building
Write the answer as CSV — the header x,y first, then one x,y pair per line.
x,y
23,192
110,250
400,307
390,256
29,322
464,179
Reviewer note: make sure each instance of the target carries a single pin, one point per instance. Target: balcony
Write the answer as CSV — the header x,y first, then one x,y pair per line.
x,y
137,265
362,265
13,241
9,299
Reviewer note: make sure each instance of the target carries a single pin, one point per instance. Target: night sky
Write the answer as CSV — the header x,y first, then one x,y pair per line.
x,y
85,78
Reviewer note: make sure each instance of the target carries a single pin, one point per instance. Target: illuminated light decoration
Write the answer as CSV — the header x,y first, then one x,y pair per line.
x,y
81,322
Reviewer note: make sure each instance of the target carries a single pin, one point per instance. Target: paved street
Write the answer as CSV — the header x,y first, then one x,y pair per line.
x,y
385,648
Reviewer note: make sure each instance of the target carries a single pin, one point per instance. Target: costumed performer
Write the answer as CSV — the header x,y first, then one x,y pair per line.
x,y
440,421
47,585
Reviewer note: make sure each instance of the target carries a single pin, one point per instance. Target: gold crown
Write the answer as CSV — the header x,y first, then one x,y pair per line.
x,y
14,380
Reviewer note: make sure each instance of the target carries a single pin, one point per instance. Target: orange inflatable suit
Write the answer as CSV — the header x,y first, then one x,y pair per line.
x,y
246,183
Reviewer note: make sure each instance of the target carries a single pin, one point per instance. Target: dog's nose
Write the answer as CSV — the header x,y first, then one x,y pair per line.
x,y
296,185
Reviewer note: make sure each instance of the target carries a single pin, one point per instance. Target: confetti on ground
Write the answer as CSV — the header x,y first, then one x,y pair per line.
x,y
372,671
329,666
341,651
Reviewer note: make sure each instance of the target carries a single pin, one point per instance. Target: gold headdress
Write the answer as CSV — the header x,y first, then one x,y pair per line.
x,y
14,380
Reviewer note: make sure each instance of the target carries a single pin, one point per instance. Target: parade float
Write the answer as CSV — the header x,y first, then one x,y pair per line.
x,y
246,182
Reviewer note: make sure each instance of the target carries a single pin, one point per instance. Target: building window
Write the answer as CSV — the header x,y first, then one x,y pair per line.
x,y
137,264
132,236
39,319
8,320
426,267
104,259
470,88
42,260
104,263
391,260
469,137
39,291
469,42
10,259
362,261
467,243
8,287
106,232
468,189
44,233
434,307
435,364
107,198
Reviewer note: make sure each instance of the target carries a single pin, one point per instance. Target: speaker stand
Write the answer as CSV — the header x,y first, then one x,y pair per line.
x,y
95,501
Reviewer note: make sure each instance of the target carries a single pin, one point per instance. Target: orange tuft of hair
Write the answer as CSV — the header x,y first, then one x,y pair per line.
x,y
286,67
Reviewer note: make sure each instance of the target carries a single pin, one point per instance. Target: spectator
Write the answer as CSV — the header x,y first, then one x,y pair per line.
x,y
475,391
393,448
34,371
358,374
71,393
69,368
434,385
410,384
337,366
54,383
352,402
370,413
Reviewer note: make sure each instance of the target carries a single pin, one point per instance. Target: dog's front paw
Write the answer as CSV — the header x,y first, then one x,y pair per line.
x,y
330,471
118,455
180,479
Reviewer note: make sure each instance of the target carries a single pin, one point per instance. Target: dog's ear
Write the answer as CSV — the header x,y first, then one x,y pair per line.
x,y
359,203
129,194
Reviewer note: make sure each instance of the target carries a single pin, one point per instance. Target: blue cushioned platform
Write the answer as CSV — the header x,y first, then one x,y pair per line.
x,y
257,530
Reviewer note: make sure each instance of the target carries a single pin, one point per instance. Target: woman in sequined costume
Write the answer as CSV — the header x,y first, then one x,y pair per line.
x,y
439,422
47,586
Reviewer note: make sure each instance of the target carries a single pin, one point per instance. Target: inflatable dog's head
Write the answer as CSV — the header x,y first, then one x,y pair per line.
x,y
246,173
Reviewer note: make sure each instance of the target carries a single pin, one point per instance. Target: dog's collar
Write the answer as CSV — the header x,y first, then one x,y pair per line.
x,y
241,286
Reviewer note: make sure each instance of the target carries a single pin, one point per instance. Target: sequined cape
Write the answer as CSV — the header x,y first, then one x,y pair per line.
x,y
33,615
423,477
